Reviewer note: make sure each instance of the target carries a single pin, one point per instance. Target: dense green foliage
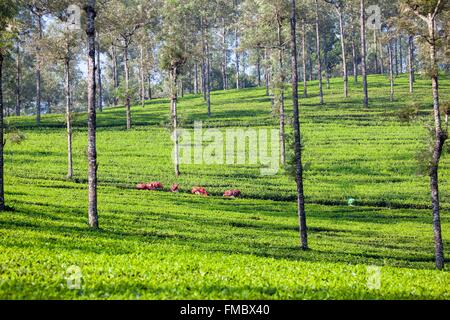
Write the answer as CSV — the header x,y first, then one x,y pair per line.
x,y
163,245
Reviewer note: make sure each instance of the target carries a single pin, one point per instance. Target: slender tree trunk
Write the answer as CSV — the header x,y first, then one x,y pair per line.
x,y
2,187
68,121
281,84
175,121
304,64
208,69
364,54
196,78
266,73
411,63
319,62
225,58
396,57
149,79
381,59
38,72
355,59
99,74
258,67
237,58
127,87
375,41
440,138
344,59
92,149
114,71
18,74
297,133
391,70
400,52
141,67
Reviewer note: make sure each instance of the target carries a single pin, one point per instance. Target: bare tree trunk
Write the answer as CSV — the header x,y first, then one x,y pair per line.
x,y
411,63
38,72
208,68
297,133
18,73
142,77
99,74
258,67
400,52
68,121
266,73
391,70
319,62
375,41
381,59
364,54
2,127
196,78
127,81
305,80
281,80
92,149
173,107
149,79
237,57
225,58
440,138
396,57
355,59
114,71
344,59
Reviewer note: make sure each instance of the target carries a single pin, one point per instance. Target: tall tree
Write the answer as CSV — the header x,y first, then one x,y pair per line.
x,y
90,9
297,131
364,52
318,53
339,6
428,11
7,14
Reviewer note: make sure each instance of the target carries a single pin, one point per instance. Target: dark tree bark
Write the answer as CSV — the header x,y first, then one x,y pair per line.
x,y
68,120
440,137
18,76
2,183
364,53
92,149
411,63
297,133
319,60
